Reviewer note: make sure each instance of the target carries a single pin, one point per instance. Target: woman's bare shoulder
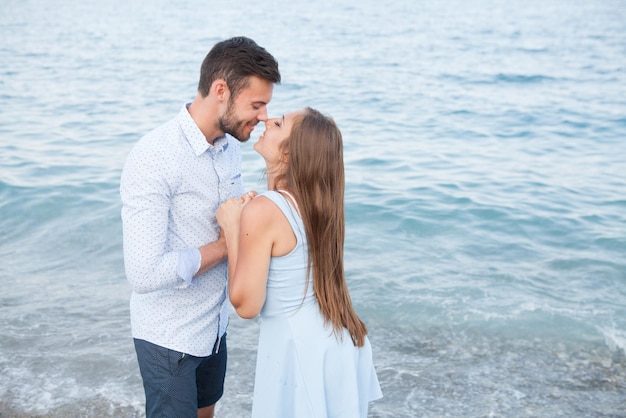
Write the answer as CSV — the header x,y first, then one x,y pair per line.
x,y
261,208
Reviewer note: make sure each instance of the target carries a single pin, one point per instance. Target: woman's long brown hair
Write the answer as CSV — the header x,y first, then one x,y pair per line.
x,y
315,175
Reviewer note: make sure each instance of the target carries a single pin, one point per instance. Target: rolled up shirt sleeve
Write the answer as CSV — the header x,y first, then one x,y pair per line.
x,y
188,264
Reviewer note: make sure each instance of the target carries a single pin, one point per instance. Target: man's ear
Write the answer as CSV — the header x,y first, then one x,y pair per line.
x,y
220,89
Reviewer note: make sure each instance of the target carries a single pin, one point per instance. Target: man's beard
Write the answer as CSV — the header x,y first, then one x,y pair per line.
x,y
229,124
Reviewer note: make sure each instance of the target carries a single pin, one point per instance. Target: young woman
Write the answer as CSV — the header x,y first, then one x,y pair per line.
x,y
285,261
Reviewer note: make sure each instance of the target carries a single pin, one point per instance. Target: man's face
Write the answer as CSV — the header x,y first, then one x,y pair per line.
x,y
247,109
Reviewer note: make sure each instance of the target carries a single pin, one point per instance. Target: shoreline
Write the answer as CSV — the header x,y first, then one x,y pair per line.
x,y
92,407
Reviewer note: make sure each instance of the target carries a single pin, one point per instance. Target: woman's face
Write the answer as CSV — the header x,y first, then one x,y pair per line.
x,y
276,131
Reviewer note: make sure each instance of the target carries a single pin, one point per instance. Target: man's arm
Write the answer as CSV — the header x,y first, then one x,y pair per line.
x,y
212,254
145,192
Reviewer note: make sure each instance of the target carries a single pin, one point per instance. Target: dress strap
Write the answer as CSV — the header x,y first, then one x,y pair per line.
x,y
292,199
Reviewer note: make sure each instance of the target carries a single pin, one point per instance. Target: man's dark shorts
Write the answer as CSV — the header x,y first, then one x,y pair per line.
x,y
177,384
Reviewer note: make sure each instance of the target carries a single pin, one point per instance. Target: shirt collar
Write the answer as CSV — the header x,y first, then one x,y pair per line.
x,y
195,137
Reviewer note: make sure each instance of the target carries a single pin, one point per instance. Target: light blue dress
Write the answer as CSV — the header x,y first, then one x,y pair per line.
x,y
303,370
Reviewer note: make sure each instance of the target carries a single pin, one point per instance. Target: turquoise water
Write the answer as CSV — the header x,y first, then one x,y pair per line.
x,y
485,147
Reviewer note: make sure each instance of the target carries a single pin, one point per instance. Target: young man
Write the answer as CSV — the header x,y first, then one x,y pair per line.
x,y
173,181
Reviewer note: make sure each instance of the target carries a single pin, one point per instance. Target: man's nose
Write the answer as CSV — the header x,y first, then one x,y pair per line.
x,y
262,114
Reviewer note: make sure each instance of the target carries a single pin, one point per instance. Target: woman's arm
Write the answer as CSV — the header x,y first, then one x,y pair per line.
x,y
250,235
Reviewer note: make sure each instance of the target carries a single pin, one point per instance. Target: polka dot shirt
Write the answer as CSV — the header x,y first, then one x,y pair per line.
x,y
171,186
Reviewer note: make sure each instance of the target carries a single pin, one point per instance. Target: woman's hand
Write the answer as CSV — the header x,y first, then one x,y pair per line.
x,y
229,212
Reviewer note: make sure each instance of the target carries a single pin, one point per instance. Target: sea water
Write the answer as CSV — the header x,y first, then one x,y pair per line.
x,y
485,151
